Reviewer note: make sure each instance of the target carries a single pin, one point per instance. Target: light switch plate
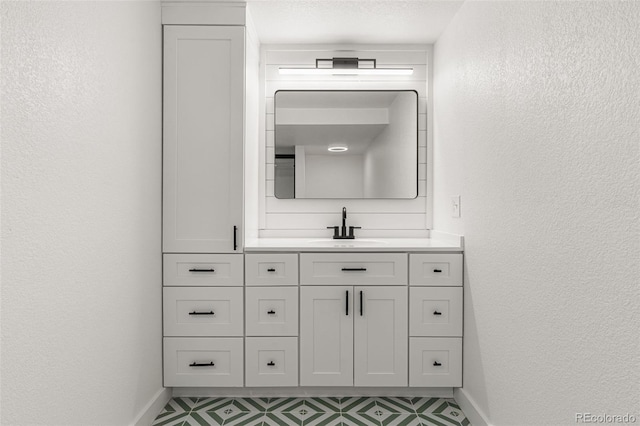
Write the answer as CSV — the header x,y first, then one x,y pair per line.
x,y
455,206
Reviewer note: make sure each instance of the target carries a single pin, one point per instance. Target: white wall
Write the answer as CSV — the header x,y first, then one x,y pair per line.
x,y
536,127
386,159
378,218
335,175
81,264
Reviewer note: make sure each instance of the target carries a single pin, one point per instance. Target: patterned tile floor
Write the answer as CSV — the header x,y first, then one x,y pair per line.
x,y
351,411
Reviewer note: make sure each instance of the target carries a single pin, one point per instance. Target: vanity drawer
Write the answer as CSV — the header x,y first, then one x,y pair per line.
x,y
435,269
202,311
202,269
271,269
272,361
353,268
198,361
272,311
435,311
435,362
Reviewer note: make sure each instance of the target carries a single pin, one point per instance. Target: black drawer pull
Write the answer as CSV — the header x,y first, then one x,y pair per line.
x,y
437,313
271,270
353,269
202,313
207,364
347,304
437,270
271,312
436,364
235,237
271,363
201,270
361,305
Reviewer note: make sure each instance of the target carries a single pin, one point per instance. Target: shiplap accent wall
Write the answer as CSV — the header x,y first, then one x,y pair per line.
x,y
253,129
310,217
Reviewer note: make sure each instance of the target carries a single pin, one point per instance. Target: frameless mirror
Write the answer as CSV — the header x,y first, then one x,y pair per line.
x,y
346,144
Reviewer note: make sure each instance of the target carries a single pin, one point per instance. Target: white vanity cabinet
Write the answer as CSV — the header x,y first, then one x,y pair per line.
x,y
353,335
203,136
203,320
271,331
313,320
435,313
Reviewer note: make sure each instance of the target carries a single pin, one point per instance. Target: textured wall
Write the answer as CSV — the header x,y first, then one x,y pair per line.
x,y
537,127
81,123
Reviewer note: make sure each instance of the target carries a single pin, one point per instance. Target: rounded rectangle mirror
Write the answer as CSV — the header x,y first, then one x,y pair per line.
x,y
346,144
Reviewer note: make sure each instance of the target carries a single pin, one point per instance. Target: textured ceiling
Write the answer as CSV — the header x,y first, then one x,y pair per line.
x,y
351,21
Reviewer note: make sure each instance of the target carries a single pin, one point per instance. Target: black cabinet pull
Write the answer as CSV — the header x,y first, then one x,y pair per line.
x,y
361,304
347,303
271,363
202,313
271,312
436,364
437,313
271,270
235,237
201,270
437,270
354,269
204,364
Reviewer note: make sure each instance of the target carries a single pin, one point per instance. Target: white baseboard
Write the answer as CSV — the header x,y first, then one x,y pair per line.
x,y
153,407
470,409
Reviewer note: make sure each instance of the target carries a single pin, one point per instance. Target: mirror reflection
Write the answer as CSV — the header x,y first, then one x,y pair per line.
x,y
346,144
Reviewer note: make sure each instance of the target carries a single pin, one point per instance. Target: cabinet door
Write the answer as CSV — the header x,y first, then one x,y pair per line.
x,y
326,336
203,138
381,336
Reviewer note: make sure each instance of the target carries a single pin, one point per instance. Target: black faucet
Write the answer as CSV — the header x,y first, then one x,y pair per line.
x,y
340,232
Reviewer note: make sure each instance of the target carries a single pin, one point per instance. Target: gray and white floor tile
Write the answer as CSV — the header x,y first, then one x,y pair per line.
x,y
326,411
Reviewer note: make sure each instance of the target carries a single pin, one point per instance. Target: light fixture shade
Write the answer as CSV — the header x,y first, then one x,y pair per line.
x,y
346,66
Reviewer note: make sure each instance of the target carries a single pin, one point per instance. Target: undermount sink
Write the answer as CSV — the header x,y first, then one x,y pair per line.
x,y
357,242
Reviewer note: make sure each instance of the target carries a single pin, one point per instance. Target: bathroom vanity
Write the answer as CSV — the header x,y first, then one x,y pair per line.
x,y
249,310
291,313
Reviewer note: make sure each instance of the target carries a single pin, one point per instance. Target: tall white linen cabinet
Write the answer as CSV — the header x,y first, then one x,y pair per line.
x,y
203,139
204,127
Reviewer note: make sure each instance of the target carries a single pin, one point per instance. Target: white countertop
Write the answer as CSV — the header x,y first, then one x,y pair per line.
x,y
356,245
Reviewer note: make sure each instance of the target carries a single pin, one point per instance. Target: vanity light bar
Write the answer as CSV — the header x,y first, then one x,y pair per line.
x,y
346,66
358,71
